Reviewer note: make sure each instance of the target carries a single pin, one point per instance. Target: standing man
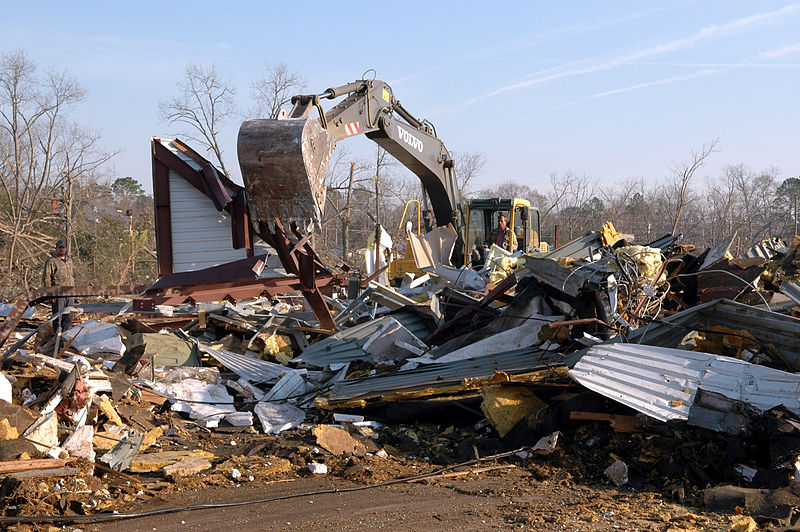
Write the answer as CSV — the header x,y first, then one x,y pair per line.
x,y
59,270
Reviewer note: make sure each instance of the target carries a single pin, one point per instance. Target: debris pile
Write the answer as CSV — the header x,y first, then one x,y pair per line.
x,y
653,367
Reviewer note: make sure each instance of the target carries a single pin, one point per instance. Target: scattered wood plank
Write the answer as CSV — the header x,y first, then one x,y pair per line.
x,y
17,466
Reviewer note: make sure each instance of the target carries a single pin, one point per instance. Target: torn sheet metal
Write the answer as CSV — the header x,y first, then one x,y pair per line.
x,y
277,417
249,368
376,293
554,275
391,342
388,297
782,331
766,249
5,310
663,382
718,252
206,403
348,345
434,248
664,242
290,387
715,284
432,253
94,337
433,379
581,248
792,291
519,337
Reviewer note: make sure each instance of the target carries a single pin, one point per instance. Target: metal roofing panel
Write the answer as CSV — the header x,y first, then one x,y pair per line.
x,y
578,248
181,155
766,327
348,344
792,291
766,249
663,382
201,235
251,369
516,361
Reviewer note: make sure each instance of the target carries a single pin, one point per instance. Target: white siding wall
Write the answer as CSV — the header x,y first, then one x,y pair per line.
x,y
201,235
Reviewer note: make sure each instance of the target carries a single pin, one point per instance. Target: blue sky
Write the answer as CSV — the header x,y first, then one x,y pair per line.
x,y
613,90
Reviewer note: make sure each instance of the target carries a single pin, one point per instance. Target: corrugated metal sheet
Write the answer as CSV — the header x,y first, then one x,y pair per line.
x,y
766,327
5,309
578,248
516,361
250,369
201,235
348,344
766,249
792,291
663,382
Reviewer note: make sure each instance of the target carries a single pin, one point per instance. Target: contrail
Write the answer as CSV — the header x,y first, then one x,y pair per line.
x,y
780,52
707,33
517,45
674,79
714,68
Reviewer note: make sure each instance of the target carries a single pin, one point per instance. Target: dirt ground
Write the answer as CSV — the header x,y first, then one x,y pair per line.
x,y
504,499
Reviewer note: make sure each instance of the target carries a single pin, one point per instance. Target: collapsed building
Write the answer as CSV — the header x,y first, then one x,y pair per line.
x,y
651,365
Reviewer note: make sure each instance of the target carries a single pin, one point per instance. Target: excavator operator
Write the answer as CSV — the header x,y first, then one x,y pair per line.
x,y
502,234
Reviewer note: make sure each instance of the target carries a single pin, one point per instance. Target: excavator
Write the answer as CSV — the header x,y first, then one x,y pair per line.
x,y
284,161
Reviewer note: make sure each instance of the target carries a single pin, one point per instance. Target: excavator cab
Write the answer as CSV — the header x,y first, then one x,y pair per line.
x,y
482,223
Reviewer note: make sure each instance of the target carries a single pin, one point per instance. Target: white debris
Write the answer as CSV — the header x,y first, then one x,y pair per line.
x,y
277,417
240,419
349,418
235,473
94,336
5,389
213,402
317,468
548,443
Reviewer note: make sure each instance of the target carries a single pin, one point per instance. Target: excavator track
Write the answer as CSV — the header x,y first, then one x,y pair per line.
x,y
283,164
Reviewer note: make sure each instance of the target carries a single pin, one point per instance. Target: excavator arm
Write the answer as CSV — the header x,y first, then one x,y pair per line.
x,y
284,161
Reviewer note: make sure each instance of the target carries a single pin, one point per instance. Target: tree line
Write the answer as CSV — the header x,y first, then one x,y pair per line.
x,y
56,181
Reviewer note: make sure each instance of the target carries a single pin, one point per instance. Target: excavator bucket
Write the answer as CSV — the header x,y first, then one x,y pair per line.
x,y
283,165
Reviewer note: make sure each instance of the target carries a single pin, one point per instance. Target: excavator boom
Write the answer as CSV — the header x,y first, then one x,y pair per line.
x,y
284,161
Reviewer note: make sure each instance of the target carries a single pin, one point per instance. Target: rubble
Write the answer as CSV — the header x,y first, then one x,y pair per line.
x,y
644,365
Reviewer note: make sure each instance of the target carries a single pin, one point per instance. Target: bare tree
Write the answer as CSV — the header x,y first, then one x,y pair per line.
x,y
35,140
570,196
681,178
205,101
275,89
469,166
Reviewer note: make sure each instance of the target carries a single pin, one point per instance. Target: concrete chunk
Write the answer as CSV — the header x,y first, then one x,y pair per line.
x,y
146,463
187,467
337,441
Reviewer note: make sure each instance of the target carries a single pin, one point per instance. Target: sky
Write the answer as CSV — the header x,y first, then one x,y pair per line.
x,y
613,90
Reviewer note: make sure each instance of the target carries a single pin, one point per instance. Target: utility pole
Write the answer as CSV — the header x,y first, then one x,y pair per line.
x,y
346,217
377,193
